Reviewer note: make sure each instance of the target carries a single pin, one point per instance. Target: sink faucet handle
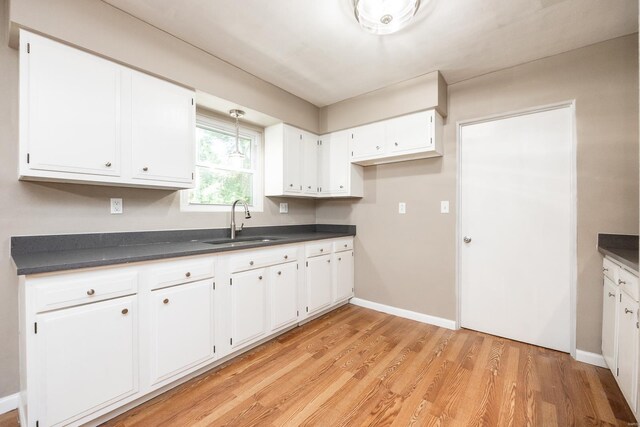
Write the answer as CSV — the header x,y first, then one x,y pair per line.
x,y
239,227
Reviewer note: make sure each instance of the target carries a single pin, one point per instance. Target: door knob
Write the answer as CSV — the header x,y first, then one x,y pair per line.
x,y
467,239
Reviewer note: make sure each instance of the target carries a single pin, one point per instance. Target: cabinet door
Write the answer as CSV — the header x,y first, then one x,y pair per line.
x,y
609,320
324,164
318,283
368,140
293,141
339,164
410,132
283,285
87,358
627,348
343,275
310,163
72,109
162,130
248,306
181,328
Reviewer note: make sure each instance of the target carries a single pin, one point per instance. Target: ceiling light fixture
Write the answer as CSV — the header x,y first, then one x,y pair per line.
x,y
384,16
236,155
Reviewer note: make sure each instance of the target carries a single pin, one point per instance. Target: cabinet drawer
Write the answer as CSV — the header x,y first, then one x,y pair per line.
x,y
315,249
628,283
343,245
261,258
171,273
81,288
609,269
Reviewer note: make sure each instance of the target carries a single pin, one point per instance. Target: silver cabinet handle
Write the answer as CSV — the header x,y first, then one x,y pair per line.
x,y
290,185
612,295
377,147
621,282
165,301
259,277
108,164
339,259
91,292
145,169
342,186
329,260
286,257
187,274
125,311
279,273
321,250
467,239
396,144
250,262
627,311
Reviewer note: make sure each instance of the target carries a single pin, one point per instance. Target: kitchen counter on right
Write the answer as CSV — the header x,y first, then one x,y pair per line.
x,y
620,247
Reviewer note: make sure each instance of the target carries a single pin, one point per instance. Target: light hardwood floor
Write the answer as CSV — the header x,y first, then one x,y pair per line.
x,y
357,367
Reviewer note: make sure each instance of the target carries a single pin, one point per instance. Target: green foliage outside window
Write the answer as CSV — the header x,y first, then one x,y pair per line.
x,y
220,179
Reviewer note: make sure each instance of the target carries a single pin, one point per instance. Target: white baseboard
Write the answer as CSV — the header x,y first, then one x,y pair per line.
x,y
9,403
590,358
407,314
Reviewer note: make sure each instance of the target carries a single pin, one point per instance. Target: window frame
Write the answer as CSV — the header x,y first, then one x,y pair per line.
x,y
258,172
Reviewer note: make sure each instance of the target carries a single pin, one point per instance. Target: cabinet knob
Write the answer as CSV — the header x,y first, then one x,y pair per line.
x,y
165,301
605,269
612,295
621,282
108,164
329,261
259,277
339,259
342,186
466,239
250,262
290,185
377,147
309,187
125,311
279,273
145,169
345,245
627,311
286,257
188,274
396,144
321,250
91,292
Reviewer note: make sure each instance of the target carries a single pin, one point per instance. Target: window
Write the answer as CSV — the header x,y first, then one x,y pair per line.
x,y
219,178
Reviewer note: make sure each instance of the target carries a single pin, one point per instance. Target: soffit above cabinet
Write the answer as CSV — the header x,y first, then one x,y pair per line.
x,y
317,51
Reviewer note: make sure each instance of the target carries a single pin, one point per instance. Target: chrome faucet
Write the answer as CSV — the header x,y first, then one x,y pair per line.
x,y
247,215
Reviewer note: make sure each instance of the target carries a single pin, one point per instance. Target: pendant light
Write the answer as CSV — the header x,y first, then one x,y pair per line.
x,y
385,16
236,156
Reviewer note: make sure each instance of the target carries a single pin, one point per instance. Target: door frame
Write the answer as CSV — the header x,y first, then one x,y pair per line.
x,y
571,104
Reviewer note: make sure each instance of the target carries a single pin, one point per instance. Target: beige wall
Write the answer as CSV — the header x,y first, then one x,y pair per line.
x,y
408,261
99,27
38,208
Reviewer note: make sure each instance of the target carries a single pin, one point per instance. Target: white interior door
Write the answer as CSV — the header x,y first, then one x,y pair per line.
x,y
517,244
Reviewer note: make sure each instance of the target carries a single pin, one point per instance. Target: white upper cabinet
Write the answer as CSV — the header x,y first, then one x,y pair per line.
x,y
339,177
70,106
310,147
409,137
162,130
85,119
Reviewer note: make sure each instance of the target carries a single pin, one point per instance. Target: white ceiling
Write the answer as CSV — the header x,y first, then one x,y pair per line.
x,y
316,50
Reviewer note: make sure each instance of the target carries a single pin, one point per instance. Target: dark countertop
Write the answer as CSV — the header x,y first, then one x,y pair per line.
x,y
620,247
43,254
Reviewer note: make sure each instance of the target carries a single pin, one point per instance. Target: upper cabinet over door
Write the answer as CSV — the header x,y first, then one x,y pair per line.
x,y
69,109
162,130
84,119
410,132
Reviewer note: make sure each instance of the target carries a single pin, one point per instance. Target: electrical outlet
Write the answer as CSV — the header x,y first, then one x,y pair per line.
x,y
402,208
116,206
444,207
284,208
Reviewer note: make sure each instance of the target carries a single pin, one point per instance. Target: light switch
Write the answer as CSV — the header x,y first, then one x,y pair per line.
x,y
284,207
402,208
116,206
444,207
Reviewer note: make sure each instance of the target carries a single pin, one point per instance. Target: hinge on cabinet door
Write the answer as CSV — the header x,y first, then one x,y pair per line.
x,y
430,140
191,101
28,157
35,328
307,309
192,175
231,281
214,286
214,348
620,297
352,154
431,119
28,47
351,136
300,136
617,371
307,263
231,341
297,267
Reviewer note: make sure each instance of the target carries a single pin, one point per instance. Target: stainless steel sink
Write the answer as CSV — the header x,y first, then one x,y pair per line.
x,y
242,240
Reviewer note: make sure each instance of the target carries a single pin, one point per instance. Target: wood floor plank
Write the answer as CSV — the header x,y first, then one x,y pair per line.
x,y
357,367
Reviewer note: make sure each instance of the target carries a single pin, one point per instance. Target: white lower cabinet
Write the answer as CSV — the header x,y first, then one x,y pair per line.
x,y
627,365
93,340
621,328
248,306
318,283
182,319
343,275
283,290
86,358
